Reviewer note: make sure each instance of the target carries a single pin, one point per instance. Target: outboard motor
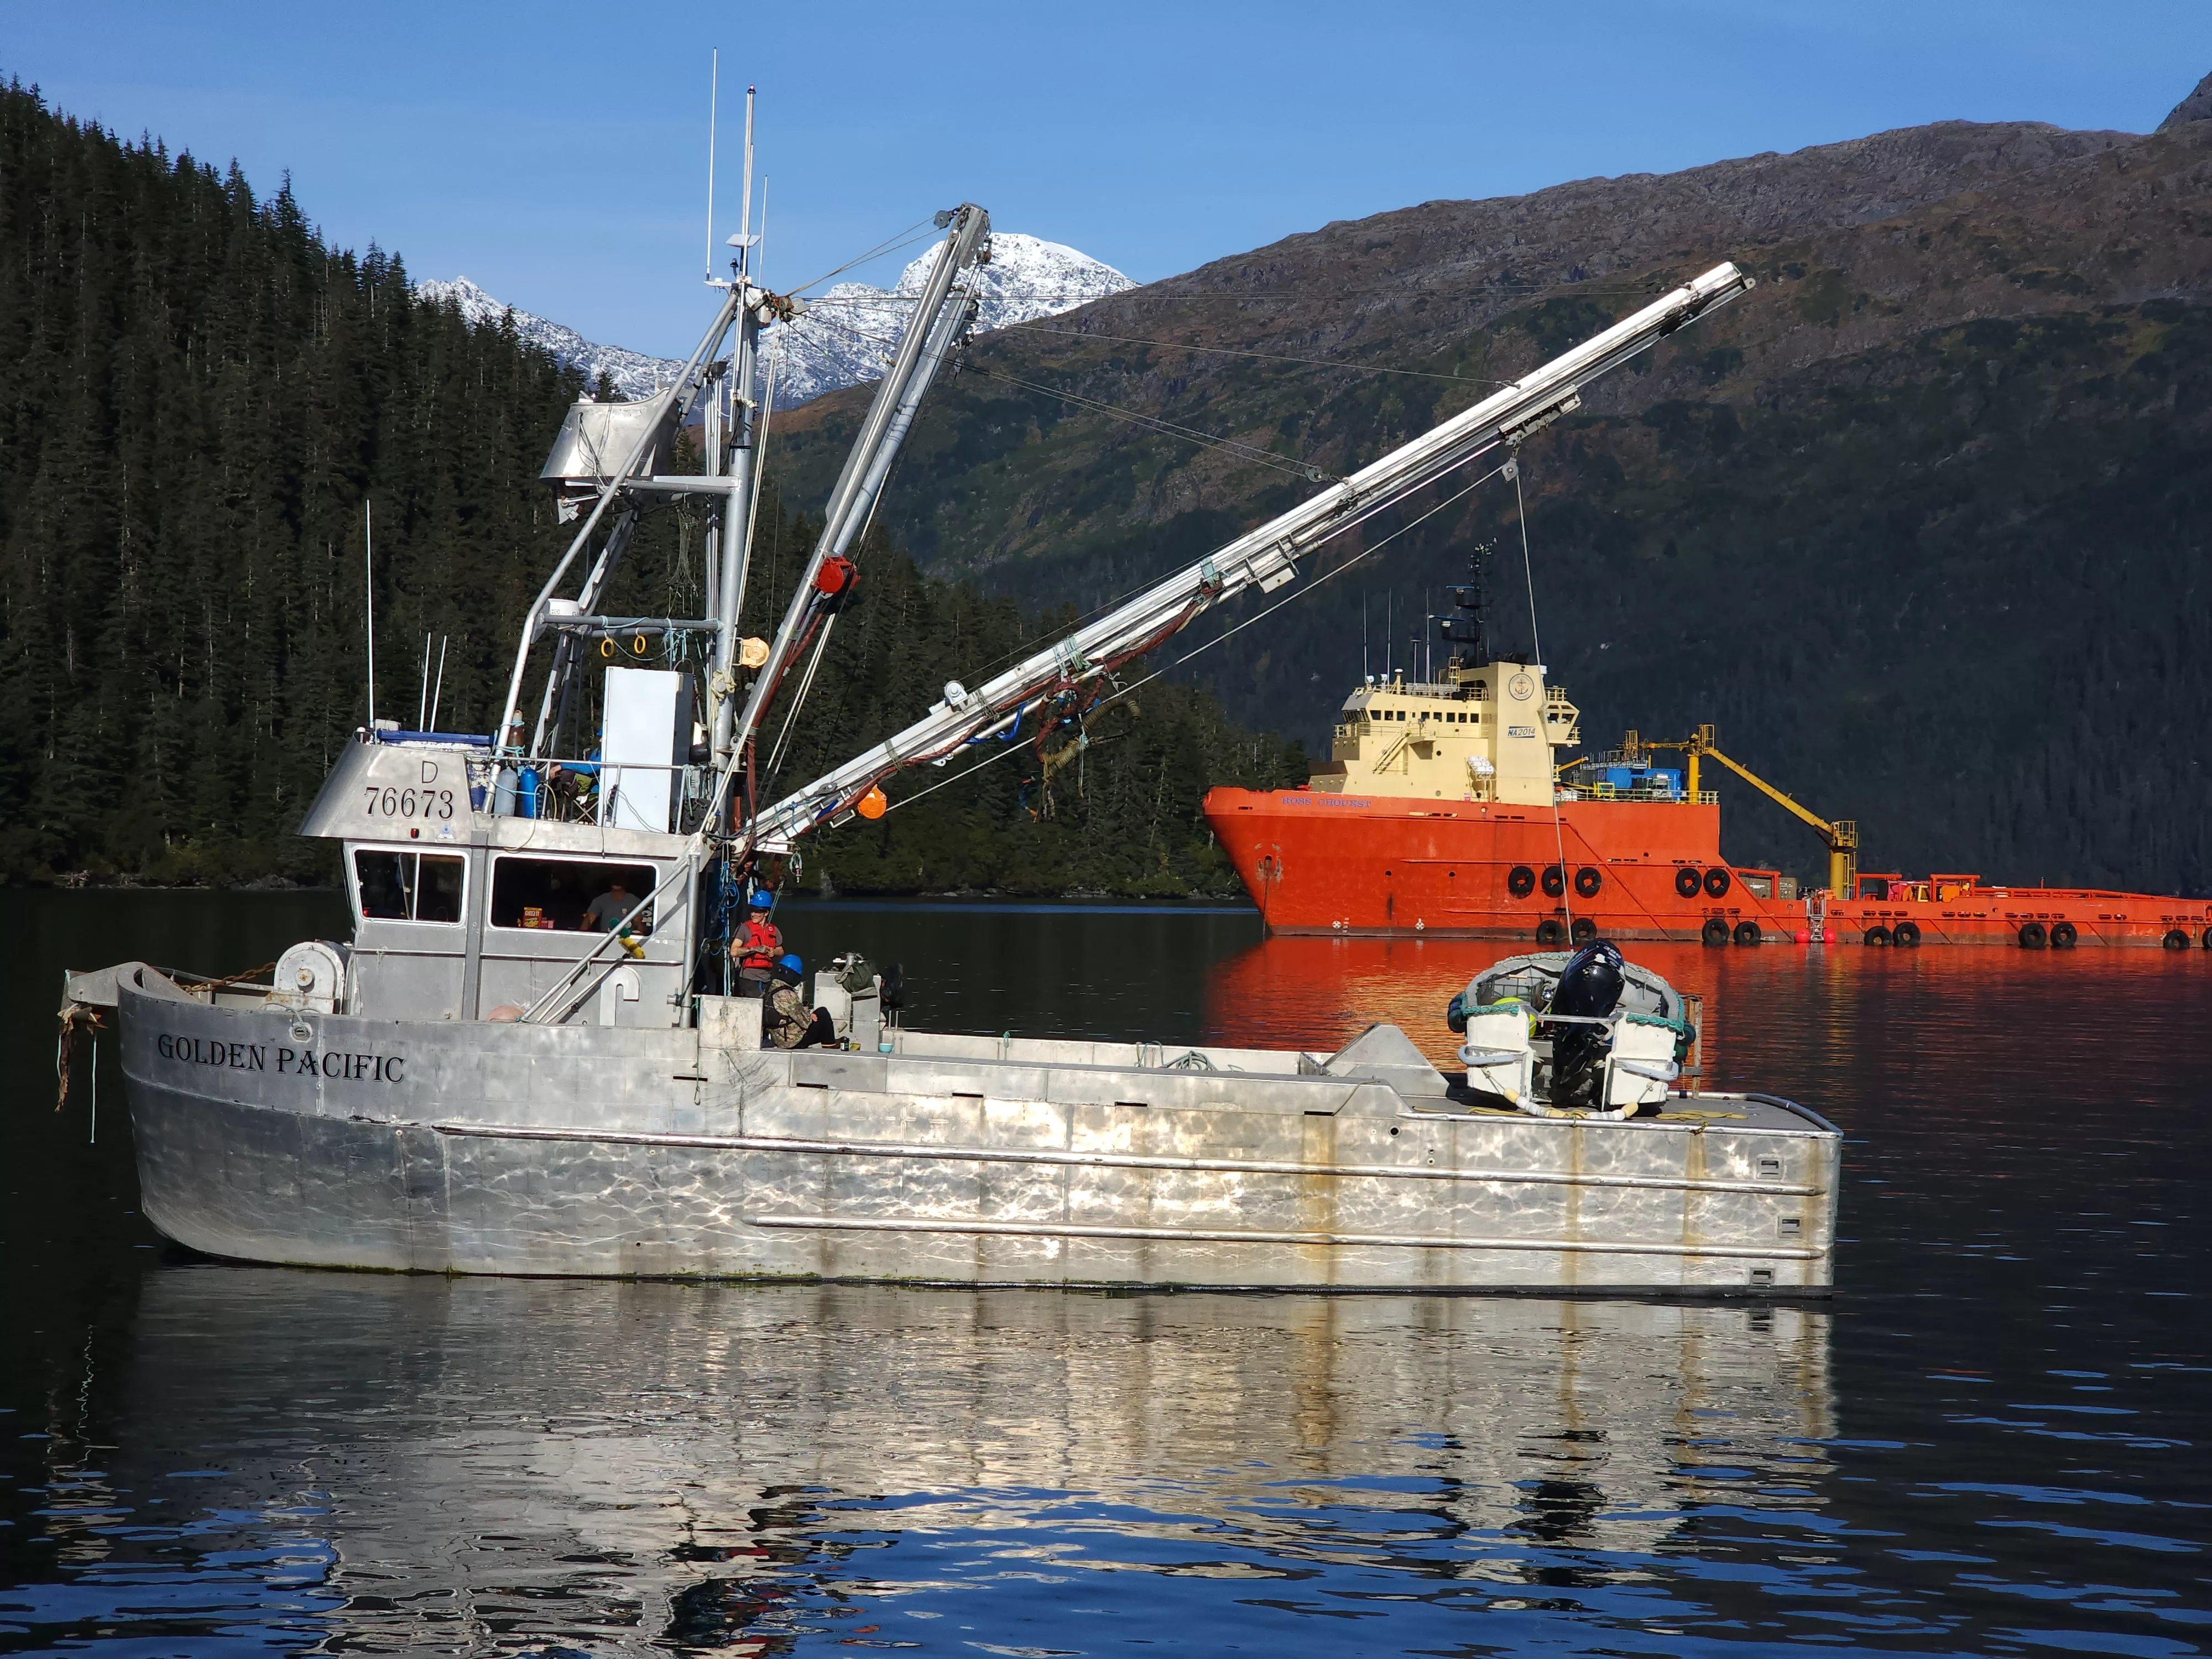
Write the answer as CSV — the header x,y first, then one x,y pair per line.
x,y
1590,987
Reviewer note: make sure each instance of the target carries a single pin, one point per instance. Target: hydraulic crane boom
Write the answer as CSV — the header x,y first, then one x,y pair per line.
x,y
1265,558
1841,834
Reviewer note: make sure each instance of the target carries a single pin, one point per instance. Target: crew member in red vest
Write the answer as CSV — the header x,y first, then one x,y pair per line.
x,y
755,945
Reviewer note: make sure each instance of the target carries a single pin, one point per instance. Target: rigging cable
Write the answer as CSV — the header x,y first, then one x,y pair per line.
x,y
1265,458
1312,587
1264,356
890,244
1536,645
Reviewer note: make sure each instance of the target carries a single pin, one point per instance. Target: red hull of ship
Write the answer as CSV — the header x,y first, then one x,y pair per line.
x,y
1998,915
1320,862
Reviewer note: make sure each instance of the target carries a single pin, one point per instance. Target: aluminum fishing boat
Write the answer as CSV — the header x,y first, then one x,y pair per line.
x,y
534,1054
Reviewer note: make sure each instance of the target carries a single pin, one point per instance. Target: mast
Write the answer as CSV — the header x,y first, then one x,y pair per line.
x,y
1466,630
731,560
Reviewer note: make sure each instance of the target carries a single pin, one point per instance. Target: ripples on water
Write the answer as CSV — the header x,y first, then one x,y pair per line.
x,y
1991,1444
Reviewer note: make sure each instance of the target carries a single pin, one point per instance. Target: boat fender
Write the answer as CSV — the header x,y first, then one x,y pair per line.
x,y
1717,882
1588,880
2032,936
2063,936
1583,931
1747,933
1714,931
2177,940
2207,939
1521,881
1876,936
1548,930
1555,880
1688,883
1906,934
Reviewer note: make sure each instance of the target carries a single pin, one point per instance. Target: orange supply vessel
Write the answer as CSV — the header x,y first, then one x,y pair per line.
x,y
1442,810
1439,812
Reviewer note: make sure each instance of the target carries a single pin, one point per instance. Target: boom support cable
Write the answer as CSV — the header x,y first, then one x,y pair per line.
x,y
1312,587
1536,644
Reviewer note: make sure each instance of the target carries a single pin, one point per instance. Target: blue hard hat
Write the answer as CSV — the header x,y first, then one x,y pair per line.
x,y
759,899
790,964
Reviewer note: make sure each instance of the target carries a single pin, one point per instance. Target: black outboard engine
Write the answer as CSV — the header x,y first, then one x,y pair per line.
x,y
1589,985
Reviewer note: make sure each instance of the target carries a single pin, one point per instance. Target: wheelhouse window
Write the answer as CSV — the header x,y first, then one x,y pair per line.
x,y
408,886
568,895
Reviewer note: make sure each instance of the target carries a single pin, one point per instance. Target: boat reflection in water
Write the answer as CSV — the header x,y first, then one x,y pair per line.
x,y
494,1465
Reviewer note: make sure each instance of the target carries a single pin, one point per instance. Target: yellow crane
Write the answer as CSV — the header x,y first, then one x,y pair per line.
x,y
1841,834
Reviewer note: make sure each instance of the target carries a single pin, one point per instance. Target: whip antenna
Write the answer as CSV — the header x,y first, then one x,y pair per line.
x,y
713,88
369,587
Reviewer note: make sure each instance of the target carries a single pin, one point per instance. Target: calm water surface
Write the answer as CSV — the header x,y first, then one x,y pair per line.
x,y
1991,1442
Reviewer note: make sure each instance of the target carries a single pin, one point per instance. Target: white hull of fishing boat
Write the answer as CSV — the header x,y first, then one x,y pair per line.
x,y
269,1135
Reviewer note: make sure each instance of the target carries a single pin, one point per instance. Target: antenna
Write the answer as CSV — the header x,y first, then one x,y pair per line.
x,y
439,690
714,91
368,586
744,240
745,215
423,703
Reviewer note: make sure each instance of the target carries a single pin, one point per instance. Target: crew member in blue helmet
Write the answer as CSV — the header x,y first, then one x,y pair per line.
x,y
756,943
785,1020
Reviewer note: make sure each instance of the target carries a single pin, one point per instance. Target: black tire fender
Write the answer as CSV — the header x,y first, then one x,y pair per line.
x,y
1583,931
1906,934
1747,933
1555,880
1717,882
1689,884
1716,932
1588,880
1876,935
1521,881
2176,939
2033,936
2063,935
1548,930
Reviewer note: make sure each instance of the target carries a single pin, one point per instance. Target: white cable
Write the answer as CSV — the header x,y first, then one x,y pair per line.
x,y
1536,643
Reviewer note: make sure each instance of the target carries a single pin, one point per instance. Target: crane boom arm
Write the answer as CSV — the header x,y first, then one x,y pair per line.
x,y
1265,558
1839,836
1827,831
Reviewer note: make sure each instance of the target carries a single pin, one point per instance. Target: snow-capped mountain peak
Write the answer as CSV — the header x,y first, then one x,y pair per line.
x,y
634,373
847,334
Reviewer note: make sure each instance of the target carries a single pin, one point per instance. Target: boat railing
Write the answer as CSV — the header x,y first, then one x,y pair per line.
x,y
567,790
570,992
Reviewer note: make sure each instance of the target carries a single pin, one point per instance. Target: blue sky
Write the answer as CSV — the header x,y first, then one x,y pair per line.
x,y
556,153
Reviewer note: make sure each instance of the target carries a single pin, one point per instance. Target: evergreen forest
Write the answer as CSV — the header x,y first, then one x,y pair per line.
x,y
199,397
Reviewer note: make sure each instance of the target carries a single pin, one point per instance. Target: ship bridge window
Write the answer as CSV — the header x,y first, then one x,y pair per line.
x,y
408,886
565,894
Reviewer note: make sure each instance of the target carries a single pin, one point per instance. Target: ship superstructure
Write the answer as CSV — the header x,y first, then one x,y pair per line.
x,y
1446,806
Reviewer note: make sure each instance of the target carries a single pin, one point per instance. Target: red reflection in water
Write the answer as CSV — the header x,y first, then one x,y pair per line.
x,y
1940,1026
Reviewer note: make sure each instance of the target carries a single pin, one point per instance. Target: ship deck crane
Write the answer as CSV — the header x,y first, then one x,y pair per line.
x,y
1840,835
1070,670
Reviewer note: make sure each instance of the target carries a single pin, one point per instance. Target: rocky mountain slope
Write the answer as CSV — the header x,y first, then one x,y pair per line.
x,y
1919,521
845,336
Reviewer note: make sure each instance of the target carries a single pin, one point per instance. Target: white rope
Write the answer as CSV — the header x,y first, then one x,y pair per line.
x,y
1536,643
